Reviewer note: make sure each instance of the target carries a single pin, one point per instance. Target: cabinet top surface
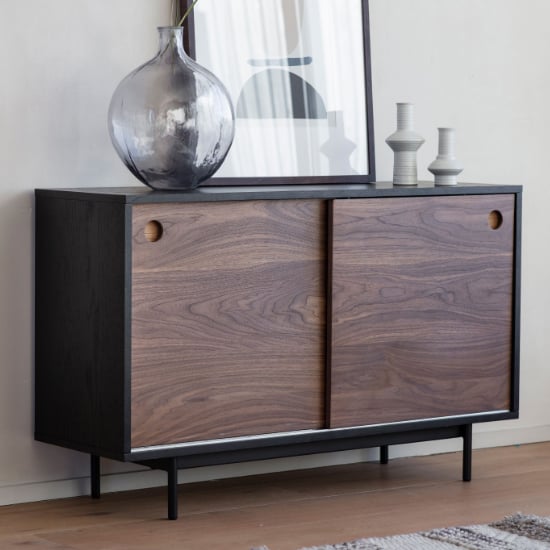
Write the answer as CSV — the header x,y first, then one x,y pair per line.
x,y
136,195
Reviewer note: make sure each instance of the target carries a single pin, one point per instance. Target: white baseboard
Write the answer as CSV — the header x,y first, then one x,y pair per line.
x,y
122,477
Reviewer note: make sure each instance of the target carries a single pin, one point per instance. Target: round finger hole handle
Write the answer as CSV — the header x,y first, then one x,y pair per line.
x,y
153,231
495,219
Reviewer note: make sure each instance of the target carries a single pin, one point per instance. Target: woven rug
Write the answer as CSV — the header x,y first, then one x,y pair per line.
x,y
516,532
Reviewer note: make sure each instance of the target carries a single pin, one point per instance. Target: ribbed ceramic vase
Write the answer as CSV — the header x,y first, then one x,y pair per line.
x,y
404,143
170,120
445,167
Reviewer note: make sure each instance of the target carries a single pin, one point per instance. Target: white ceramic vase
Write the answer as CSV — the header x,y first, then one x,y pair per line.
x,y
404,143
445,167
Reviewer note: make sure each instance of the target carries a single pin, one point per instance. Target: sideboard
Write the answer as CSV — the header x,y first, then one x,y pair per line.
x,y
230,324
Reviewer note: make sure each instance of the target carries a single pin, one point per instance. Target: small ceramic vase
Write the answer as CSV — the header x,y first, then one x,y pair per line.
x,y
405,142
445,167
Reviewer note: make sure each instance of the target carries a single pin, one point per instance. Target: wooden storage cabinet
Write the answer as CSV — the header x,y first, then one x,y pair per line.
x,y
216,326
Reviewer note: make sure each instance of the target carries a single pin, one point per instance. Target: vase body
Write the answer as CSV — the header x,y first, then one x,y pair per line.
x,y
445,167
404,143
171,121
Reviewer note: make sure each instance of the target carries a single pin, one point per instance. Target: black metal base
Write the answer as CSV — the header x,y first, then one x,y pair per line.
x,y
95,476
171,464
172,471
467,453
384,454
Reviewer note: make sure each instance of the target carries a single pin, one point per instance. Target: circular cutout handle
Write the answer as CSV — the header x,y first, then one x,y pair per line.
x,y
495,219
153,231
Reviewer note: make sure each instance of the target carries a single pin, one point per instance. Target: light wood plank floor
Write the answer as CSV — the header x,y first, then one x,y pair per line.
x,y
288,510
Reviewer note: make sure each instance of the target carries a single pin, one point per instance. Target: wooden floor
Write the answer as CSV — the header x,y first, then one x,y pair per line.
x,y
286,511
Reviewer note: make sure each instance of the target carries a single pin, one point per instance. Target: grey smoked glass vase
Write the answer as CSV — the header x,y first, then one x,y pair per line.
x,y
170,120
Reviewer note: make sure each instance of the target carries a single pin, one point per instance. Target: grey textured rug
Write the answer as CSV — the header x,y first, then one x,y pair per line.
x,y
517,532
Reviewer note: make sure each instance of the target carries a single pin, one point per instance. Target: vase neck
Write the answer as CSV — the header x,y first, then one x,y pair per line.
x,y
446,141
405,116
171,42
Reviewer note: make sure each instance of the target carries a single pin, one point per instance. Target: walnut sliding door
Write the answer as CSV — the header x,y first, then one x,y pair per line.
x,y
228,319
421,323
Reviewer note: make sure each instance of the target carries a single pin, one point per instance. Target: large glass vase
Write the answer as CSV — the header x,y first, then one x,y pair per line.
x,y
170,120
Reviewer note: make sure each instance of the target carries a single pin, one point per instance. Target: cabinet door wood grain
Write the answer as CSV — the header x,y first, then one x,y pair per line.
x,y
228,319
422,292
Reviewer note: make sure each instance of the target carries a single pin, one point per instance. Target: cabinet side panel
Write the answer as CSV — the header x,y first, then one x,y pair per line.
x,y
79,365
228,320
422,308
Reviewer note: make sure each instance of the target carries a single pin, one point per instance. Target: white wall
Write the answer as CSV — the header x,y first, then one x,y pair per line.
x,y
481,66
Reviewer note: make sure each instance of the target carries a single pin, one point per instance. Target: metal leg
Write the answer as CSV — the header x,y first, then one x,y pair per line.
x,y
384,454
95,476
172,471
467,453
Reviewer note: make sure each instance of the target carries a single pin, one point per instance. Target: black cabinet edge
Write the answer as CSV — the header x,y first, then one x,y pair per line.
x,y
143,195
